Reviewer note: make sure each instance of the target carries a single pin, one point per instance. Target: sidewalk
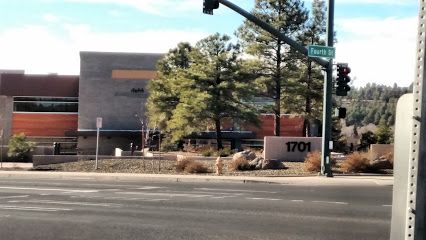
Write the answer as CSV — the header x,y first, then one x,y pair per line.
x,y
17,165
351,180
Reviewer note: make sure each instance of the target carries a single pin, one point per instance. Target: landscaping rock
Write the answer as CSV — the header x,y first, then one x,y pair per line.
x,y
256,164
272,164
247,155
380,163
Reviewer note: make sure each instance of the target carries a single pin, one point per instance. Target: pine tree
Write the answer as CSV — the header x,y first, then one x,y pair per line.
x,y
289,17
384,134
311,82
164,95
213,88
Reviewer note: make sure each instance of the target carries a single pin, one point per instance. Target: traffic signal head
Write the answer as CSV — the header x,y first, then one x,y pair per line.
x,y
341,112
209,5
342,80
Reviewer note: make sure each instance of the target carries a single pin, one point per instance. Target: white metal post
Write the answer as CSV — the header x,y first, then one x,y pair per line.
x,y
98,126
415,217
97,148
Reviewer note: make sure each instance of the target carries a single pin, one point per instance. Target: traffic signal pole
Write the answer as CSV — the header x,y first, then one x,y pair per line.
x,y
327,65
328,98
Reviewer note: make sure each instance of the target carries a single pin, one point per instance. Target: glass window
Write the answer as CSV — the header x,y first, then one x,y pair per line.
x,y
45,104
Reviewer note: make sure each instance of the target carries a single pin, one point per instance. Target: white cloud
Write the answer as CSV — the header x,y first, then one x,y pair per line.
x,y
36,49
378,50
48,17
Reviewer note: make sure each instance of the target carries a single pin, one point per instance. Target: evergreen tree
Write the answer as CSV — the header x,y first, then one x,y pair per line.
x,y
213,87
164,89
311,82
373,103
384,133
289,17
367,139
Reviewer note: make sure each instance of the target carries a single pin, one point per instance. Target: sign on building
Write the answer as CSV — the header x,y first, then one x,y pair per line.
x,y
291,149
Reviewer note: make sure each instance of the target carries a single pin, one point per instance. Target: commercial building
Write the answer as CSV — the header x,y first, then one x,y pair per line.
x,y
112,86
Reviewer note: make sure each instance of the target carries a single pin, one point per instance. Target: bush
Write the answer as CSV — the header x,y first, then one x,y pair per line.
x,y
239,164
190,166
224,152
182,163
196,167
20,147
207,152
312,162
356,162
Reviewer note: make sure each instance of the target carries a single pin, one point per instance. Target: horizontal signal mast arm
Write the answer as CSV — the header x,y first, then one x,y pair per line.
x,y
303,50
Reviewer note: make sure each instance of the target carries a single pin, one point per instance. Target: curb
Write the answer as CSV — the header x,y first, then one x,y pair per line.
x,y
287,180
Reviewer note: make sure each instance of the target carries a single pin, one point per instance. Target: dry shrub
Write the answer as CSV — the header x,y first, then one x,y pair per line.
x,y
356,162
389,156
312,162
182,164
190,166
196,167
239,164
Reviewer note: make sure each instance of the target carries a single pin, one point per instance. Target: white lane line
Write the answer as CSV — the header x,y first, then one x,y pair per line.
x,y
268,199
341,203
20,196
166,194
67,203
208,193
297,200
51,189
4,216
136,199
38,209
384,205
232,190
148,188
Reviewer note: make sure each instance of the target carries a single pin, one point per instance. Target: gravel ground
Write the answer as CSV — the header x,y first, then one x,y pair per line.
x,y
167,167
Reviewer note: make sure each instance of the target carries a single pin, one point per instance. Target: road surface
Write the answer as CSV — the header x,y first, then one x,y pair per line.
x,y
109,210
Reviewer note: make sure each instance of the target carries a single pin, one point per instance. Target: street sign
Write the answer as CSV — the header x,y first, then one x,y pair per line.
x,y
321,51
99,122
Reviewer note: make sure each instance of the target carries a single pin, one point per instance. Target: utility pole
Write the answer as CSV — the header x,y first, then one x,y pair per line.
x,y
210,5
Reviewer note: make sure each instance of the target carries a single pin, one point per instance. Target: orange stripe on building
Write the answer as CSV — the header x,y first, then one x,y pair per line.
x,y
133,74
44,125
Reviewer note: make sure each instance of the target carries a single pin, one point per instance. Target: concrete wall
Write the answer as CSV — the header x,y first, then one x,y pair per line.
x,y
107,145
113,86
114,98
6,114
292,149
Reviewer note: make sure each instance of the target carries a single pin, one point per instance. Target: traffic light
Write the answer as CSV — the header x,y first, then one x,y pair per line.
x,y
209,5
341,112
343,79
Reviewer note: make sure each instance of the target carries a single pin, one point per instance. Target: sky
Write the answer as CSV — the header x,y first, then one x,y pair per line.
x,y
377,38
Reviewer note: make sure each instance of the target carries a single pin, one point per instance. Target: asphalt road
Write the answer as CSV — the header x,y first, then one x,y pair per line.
x,y
111,210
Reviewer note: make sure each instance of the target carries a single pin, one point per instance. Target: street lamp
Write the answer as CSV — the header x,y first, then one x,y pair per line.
x,y
143,133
